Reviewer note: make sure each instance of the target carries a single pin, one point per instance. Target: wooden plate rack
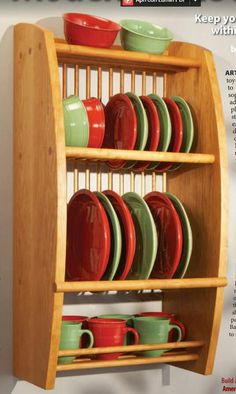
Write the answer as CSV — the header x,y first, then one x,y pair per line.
x,y
40,197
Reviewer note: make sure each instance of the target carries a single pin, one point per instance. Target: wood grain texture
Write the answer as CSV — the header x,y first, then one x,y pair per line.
x,y
109,154
40,199
39,205
131,348
126,361
203,191
148,284
119,58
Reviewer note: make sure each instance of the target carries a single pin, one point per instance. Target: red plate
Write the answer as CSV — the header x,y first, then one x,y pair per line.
x,y
177,132
96,118
127,231
153,131
121,126
170,238
88,237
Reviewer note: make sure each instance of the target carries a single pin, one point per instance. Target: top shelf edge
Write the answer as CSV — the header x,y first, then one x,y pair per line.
x,y
71,53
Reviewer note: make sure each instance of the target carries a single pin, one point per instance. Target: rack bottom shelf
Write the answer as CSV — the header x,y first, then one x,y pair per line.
x,y
128,360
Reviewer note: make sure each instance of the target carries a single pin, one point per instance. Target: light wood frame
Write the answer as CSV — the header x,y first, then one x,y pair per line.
x,y
40,202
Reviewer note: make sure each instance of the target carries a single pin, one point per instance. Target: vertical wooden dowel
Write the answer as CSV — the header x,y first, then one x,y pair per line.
x,y
121,183
98,176
99,79
64,95
132,180
76,92
154,82
164,178
133,81
76,80
64,81
154,181
110,90
143,186
144,83
122,81
75,177
88,82
110,183
164,85
87,178
164,182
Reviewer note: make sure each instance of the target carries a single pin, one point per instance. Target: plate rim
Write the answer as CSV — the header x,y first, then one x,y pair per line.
x,y
116,235
180,273
179,230
141,201
106,249
130,228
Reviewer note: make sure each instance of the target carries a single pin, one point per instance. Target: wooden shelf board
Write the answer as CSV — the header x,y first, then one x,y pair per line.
x,y
149,284
118,154
117,57
131,348
127,360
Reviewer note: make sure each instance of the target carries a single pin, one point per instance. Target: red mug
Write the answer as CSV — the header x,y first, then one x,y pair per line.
x,y
110,332
172,317
75,318
96,118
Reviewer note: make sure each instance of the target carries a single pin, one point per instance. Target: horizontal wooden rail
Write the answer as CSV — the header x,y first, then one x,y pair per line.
x,y
131,348
118,57
118,154
149,284
126,361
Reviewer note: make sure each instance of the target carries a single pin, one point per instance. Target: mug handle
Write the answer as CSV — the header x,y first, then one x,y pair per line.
x,y
134,332
180,336
91,338
181,326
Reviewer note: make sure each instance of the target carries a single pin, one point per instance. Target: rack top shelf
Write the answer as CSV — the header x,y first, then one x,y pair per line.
x,y
118,58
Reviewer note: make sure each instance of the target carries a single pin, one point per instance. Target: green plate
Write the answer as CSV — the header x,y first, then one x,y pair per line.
x,y
146,237
116,243
187,236
188,127
165,125
142,126
75,122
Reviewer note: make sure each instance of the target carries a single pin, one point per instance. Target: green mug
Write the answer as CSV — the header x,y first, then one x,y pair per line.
x,y
129,340
71,333
153,330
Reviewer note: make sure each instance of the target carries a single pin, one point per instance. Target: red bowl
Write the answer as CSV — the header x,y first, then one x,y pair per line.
x,y
83,29
96,117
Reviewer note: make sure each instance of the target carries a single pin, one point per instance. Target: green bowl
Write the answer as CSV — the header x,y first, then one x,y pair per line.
x,y
144,36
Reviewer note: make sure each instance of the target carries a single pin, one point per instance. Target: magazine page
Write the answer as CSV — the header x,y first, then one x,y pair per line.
x,y
117,184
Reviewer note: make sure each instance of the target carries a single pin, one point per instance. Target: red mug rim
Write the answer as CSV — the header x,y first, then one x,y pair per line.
x,y
98,320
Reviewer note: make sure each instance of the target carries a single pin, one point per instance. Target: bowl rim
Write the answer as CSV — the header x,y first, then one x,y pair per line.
x,y
170,34
116,25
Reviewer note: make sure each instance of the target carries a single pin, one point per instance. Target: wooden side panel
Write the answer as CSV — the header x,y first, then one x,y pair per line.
x,y
203,191
39,206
